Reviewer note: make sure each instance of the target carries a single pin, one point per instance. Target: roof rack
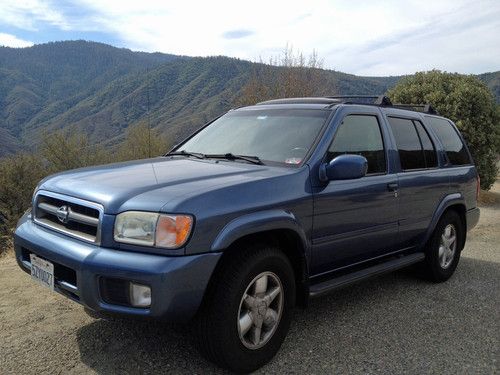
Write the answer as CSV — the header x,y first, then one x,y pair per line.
x,y
377,100
384,101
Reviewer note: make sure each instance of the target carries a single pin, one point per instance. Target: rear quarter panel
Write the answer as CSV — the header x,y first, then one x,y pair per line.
x,y
463,180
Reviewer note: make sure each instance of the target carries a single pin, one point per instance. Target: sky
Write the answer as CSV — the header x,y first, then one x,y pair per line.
x,y
370,38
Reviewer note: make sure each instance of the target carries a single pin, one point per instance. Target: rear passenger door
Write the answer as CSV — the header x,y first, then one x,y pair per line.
x,y
355,220
422,185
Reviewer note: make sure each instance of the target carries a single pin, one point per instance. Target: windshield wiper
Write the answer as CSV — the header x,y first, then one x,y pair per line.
x,y
186,153
230,156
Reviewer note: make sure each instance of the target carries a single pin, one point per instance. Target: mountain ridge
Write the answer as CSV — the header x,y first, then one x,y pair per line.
x,y
100,90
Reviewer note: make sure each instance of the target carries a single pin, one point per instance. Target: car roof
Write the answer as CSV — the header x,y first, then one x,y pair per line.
x,y
331,102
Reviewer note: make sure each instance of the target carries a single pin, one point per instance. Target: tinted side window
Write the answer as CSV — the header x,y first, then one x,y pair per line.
x,y
408,142
360,134
455,149
427,145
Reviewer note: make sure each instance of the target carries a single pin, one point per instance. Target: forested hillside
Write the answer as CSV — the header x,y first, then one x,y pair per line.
x,y
101,90
493,81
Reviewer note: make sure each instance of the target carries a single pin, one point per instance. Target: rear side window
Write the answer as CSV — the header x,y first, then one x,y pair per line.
x,y
360,134
408,142
453,145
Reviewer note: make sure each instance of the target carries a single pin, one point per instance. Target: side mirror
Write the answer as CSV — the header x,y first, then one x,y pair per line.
x,y
344,167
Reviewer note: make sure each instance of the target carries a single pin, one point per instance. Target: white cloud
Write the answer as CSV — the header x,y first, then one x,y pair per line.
x,y
362,37
26,14
8,40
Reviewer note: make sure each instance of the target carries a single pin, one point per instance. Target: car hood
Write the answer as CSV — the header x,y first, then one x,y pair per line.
x,y
150,184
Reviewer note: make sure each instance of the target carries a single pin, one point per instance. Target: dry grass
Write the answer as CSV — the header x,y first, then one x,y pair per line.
x,y
6,247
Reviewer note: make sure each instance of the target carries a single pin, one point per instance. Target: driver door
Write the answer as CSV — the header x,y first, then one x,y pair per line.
x,y
356,220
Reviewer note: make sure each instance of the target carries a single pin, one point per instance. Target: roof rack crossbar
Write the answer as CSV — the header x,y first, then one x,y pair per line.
x,y
425,108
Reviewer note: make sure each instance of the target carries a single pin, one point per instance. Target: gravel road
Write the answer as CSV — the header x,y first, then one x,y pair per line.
x,y
394,324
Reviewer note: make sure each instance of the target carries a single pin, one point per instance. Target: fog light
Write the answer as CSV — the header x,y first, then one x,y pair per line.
x,y
140,295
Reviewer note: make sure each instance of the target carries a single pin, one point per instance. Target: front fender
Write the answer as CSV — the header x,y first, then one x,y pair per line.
x,y
448,201
258,222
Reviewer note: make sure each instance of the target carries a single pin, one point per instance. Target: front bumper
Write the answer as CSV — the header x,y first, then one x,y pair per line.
x,y
177,283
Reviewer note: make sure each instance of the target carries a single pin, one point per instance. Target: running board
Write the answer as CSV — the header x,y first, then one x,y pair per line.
x,y
379,269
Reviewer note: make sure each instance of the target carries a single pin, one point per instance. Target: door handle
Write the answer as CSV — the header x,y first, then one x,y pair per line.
x,y
392,186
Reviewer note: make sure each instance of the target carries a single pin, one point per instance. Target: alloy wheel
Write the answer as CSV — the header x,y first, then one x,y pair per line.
x,y
447,246
260,310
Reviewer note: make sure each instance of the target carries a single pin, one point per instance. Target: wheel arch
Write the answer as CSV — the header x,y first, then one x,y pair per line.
x,y
276,227
452,202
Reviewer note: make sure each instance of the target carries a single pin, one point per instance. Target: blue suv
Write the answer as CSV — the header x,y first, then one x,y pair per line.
x,y
258,211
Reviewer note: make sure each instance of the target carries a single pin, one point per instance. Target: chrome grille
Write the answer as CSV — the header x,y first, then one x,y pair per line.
x,y
72,216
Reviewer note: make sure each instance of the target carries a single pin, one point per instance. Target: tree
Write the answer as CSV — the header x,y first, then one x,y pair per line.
x,y
289,75
142,142
63,150
468,103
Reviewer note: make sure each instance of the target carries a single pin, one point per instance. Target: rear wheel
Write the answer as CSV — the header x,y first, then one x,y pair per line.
x,y
246,314
443,252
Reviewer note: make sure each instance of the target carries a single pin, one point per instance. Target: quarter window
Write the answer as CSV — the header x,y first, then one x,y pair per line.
x,y
453,145
360,134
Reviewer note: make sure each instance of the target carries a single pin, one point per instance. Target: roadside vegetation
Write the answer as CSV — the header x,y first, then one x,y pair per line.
x,y
463,98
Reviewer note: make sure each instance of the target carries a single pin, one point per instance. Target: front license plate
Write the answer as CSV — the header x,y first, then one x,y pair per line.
x,y
42,271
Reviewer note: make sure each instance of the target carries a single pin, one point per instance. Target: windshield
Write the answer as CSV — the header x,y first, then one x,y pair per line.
x,y
276,135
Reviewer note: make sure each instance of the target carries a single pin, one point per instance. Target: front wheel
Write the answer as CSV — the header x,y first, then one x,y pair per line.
x,y
246,313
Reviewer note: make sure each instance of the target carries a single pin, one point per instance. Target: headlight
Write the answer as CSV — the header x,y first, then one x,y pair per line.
x,y
151,229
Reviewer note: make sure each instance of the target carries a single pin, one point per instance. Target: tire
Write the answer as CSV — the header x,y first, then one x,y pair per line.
x,y
226,325
442,254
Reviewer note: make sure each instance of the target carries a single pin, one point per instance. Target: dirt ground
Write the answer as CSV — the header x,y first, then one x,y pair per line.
x,y
392,324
